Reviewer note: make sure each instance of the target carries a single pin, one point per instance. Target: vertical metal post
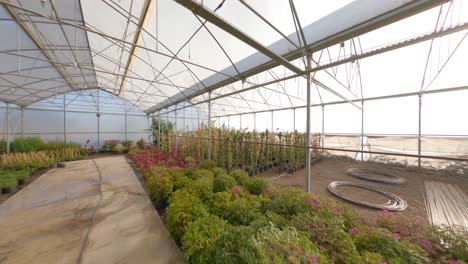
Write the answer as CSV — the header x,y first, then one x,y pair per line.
x,y
125,108
148,133
229,122
159,129
198,118
152,129
272,121
419,130
240,122
64,118
255,122
22,121
8,128
175,127
307,143
209,125
323,128
98,117
294,119
362,130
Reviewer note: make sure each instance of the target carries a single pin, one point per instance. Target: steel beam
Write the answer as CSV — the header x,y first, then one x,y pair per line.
x,y
210,16
308,136
209,125
142,24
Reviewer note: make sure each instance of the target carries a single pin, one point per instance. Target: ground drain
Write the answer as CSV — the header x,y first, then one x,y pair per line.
x,y
395,202
363,174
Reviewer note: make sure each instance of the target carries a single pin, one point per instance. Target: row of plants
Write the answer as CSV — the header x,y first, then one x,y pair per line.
x,y
15,168
115,145
250,150
219,216
30,144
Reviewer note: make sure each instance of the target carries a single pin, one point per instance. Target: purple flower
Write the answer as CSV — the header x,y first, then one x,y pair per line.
x,y
396,236
312,202
314,259
383,262
353,230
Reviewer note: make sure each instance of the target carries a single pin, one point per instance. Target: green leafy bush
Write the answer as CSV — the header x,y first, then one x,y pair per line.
x,y
240,176
236,246
289,201
160,185
219,203
182,182
27,144
8,182
256,185
217,171
386,244
223,183
189,159
242,211
202,173
203,188
286,245
184,208
454,240
270,218
207,164
199,241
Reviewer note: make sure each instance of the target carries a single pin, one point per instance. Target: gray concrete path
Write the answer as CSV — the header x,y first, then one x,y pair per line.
x,y
92,211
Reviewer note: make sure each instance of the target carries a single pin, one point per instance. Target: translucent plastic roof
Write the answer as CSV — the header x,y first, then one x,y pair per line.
x,y
162,55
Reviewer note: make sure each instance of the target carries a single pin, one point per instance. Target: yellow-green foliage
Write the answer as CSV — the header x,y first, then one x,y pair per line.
x,y
39,159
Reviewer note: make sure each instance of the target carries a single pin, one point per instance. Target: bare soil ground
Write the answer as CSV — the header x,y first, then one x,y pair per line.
x,y
334,169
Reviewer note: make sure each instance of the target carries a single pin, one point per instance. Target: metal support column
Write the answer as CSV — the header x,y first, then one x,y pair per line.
x,y
7,128
209,125
152,129
175,127
362,130
255,122
126,137
419,130
272,121
323,128
198,118
98,114
294,119
22,121
65,118
307,143
159,129
240,122
148,133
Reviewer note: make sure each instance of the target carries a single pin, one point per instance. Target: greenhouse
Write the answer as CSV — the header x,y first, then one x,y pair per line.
x,y
233,131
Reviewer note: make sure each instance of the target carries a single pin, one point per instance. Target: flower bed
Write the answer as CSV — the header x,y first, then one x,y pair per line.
x,y
217,216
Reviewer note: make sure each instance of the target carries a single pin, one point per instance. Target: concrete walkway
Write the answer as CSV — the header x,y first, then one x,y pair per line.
x,y
92,211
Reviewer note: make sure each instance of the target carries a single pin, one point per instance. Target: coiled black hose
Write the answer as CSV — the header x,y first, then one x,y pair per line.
x,y
395,203
363,175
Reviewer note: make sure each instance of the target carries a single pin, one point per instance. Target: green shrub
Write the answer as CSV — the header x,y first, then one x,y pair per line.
x,y
289,201
8,182
217,171
203,188
184,207
328,231
270,218
256,185
207,164
182,182
198,242
27,144
189,159
219,203
160,185
240,175
286,245
127,143
242,211
223,183
383,242
236,246
454,240
202,173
